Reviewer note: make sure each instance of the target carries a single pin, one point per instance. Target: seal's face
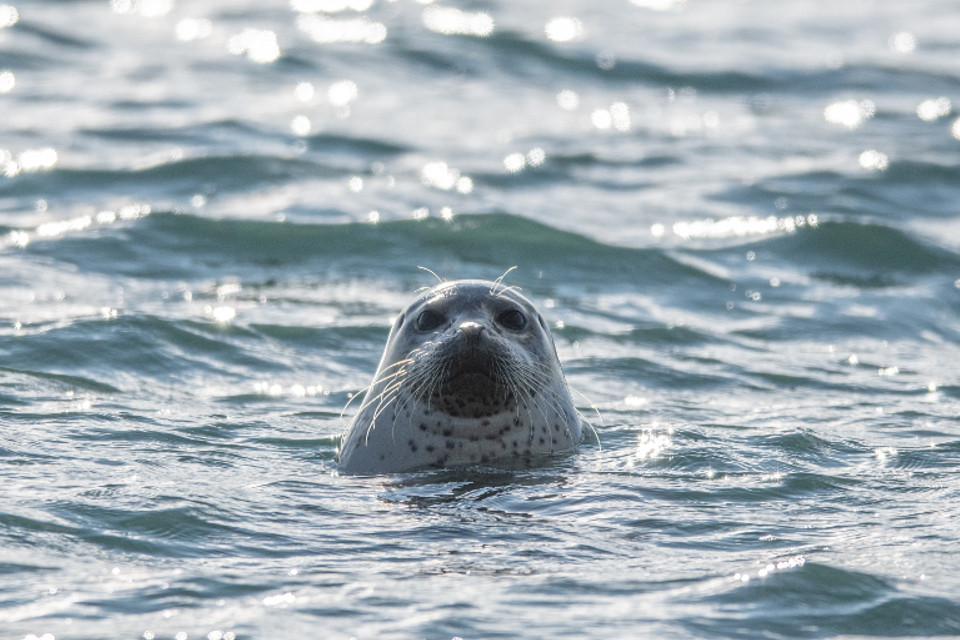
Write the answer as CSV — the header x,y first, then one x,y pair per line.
x,y
476,348
470,374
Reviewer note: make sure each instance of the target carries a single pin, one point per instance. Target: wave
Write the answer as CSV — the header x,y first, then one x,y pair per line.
x,y
815,600
865,253
168,245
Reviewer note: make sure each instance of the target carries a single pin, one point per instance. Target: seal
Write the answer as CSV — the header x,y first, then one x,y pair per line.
x,y
469,375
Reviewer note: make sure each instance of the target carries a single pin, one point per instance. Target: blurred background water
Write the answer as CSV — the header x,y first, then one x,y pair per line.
x,y
740,216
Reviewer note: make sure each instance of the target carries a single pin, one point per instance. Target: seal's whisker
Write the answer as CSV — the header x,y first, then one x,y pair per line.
x,y
369,429
593,429
398,363
353,397
505,290
589,402
431,272
554,400
389,376
385,398
541,410
379,397
385,383
386,371
499,281
378,379
380,409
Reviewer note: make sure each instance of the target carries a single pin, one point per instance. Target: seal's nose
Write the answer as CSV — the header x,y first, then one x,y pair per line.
x,y
470,329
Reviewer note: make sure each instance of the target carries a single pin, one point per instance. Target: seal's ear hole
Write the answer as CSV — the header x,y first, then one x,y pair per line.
x,y
512,319
429,320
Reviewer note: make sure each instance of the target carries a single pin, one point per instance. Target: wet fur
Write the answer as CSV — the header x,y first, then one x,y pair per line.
x,y
453,396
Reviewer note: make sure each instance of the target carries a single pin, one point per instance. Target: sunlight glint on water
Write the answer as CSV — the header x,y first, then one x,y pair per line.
x,y
739,220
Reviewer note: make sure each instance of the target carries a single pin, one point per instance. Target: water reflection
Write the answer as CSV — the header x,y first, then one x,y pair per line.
x,y
325,30
514,163
7,81
259,45
440,175
736,226
216,634
874,160
304,91
301,125
564,29
27,161
143,8
518,161
341,94
651,444
934,108
190,29
883,455
450,21
617,117
536,157
330,6
568,100
903,42
49,230
770,568
660,5
849,113
9,16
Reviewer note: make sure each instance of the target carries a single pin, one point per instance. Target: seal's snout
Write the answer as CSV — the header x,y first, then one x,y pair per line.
x,y
470,351
471,330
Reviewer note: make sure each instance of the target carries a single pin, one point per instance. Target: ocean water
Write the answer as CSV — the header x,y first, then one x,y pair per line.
x,y
741,217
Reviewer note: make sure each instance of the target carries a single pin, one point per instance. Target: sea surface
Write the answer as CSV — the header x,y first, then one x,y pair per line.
x,y
742,219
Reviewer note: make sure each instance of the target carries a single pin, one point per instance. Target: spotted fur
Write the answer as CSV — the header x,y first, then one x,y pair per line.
x,y
470,375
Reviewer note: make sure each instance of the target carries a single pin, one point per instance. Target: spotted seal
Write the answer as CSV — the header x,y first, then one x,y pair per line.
x,y
469,375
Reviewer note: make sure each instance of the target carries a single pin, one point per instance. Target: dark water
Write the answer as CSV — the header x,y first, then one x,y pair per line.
x,y
742,218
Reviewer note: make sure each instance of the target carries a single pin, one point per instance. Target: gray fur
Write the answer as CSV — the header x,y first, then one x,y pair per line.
x,y
460,382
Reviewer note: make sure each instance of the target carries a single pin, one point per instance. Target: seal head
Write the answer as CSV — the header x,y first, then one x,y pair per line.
x,y
469,375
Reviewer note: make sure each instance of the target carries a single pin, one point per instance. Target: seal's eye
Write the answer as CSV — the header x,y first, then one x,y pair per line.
x,y
429,320
512,319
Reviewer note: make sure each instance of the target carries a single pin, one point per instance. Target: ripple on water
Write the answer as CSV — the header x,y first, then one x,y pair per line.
x,y
746,250
825,597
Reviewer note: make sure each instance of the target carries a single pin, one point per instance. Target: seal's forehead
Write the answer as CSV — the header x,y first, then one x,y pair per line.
x,y
471,290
